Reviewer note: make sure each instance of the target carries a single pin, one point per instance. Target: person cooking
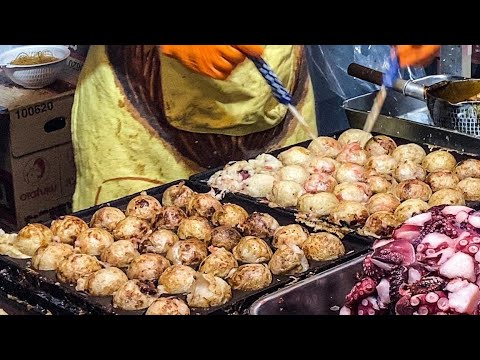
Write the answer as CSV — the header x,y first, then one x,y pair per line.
x,y
145,115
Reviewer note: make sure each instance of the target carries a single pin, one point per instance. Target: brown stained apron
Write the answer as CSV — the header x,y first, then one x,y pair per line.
x,y
139,75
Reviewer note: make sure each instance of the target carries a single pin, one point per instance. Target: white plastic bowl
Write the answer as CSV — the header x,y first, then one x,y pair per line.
x,y
34,76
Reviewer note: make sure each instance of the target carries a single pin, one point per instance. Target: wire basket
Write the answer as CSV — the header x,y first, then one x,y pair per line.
x,y
38,75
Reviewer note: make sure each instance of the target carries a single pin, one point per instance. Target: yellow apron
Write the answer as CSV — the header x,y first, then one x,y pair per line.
x,y
141,119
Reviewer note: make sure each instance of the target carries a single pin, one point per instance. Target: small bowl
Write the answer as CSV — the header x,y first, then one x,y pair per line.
x,y
34,76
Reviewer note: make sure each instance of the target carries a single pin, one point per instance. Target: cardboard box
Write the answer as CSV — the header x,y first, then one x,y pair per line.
x,y
74,64
37,170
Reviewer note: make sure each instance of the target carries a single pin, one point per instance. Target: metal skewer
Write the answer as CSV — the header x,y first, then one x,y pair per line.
x,y
389,77
281,93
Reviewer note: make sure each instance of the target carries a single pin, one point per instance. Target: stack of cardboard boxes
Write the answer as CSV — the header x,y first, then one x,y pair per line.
x,y
37,168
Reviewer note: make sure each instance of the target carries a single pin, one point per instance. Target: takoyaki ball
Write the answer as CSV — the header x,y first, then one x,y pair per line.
x,y
131,228
219,263
259,224
48,257
412,189
409,208
323,165
380,145
132,295
379,184
439,160
226,237
107,218
470,188
144,206
252,250
356,191
250,277
321,204
289,259
208,291
147,267
93,241
381,224
159,241
382,164
469,168
195,226
76,266
176,279
265,163
103,282
349,213
354,135
325,146
67,228
168,306
296,155
409,170
31,237
353,153
259,185
442,179
169,218
290,234
190,252
203,205
294,173
320,182
323,246
120,253
177,195
412,152
447,197
348,172
382,202
231,215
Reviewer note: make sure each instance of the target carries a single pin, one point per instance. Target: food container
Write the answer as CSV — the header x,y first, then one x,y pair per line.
x,y
413,133
38,75
19,279
322,294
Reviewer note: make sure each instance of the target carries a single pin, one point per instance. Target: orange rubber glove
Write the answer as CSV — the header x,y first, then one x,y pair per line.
x,y
216,61
416,55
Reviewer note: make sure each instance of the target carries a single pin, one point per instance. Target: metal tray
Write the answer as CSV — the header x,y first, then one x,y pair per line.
x,y
204,176
42,286
322,294
459,155
13,306
409,119
398,105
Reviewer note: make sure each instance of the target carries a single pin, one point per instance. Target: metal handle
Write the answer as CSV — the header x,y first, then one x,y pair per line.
x,y
406,87
279,91
365,73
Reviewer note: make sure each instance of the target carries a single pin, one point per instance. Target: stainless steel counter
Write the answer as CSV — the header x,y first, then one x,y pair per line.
x,y
322,294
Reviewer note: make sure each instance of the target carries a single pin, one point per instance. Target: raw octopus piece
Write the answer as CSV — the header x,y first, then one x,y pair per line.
x,y
398,252
431,265
369,306
361,290
407,232
419,220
